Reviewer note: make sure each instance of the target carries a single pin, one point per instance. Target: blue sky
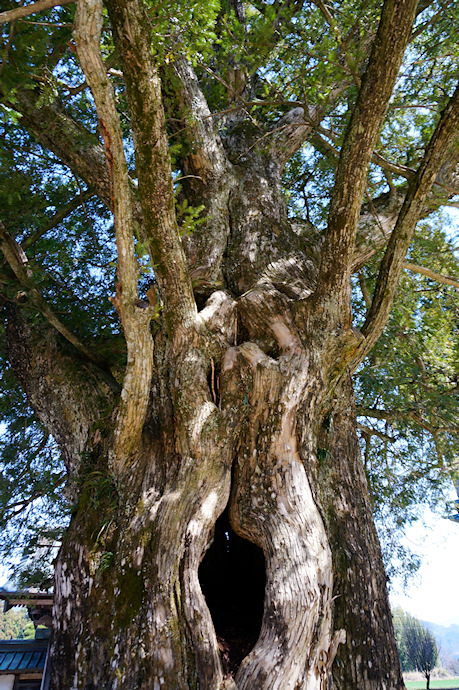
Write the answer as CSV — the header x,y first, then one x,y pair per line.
x,y
434,595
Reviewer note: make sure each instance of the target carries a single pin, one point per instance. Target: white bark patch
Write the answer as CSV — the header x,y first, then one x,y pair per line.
x,y
209,505
198,421
284,336
138,556
219,314
229,359
253,354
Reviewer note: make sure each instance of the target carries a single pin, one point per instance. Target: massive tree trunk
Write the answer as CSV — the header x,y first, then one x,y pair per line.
x,y
247,410
231,448
129,609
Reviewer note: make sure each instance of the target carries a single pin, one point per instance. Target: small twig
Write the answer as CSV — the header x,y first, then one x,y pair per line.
x,y
373,432
59,25
58,218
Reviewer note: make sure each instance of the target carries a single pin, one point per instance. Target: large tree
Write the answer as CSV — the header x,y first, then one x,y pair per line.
x,y
223,420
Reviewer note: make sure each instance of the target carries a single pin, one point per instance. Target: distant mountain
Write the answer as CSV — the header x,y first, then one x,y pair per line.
x,y
447,638
451,621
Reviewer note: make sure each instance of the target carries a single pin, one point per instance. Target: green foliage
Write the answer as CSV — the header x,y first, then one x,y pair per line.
x,y
407,395
183,27
15,624
416,644
189,217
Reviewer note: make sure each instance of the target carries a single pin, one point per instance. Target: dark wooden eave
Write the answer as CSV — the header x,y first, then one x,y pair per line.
x,y
29,599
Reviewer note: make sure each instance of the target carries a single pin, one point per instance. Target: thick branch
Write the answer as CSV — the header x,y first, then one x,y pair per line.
x,y
359,142
26,10
291,132
207,157
131,30
443,138
297,125
208,175
379,216
135,321
67,393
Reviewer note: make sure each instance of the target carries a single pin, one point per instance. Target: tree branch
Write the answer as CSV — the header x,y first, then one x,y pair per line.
x,y
446,133
18,263
333,24
208,155
130,26
397,415
18,507
361,136
58,218
291,131
208,173
135,321
446,280
26,10
378,218
369,431
302,121
67,393
72,143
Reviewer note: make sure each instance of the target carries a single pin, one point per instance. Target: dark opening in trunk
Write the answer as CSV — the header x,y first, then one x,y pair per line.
x,y
232,577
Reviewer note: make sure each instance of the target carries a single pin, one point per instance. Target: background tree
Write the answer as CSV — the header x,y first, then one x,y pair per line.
x,y
211,398
416,644
15,625
426,653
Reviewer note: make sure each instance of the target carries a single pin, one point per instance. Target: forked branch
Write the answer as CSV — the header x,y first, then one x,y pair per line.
x,y
131,30
135,321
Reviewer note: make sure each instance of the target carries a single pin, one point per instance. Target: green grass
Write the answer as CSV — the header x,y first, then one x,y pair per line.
x,y
451,683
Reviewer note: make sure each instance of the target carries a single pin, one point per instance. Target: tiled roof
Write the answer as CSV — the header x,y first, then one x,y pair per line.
x,y
22,656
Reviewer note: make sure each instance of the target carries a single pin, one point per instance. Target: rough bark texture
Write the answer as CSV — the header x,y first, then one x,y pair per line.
x,y
358,575
244,405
